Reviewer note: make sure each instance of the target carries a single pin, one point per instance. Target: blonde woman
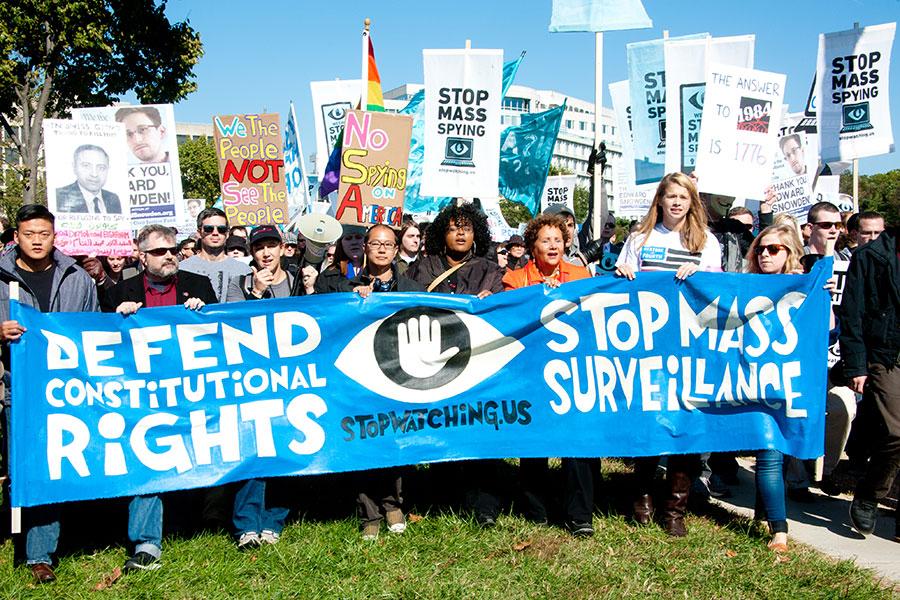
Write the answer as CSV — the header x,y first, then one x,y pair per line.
x,y
672,237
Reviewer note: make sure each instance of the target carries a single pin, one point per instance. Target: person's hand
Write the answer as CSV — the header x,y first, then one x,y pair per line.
x,y
309,274
626,271
262,279
363,290
94,268
765,206
831,284
552,283
128,308
685,271
194,304
483,294
419,347
858,383
11,330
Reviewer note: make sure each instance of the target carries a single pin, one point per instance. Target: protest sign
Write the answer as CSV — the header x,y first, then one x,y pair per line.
x,y
685,67
169,398
374,157
500,229
559,189
294,167
154,173
331,101
192,209
852,77
462,122
87,186
794,169
629,200
741,117
828,190
647,82
251,169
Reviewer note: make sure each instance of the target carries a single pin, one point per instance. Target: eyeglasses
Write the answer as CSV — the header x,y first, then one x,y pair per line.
x,y
162,251
141,130
828,224
772,249
378,244
208,229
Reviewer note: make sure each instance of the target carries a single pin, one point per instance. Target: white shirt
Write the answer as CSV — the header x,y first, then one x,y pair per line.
x,y
663,251
89,199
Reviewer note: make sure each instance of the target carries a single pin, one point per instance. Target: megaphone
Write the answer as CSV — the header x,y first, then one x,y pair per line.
x,y
320,232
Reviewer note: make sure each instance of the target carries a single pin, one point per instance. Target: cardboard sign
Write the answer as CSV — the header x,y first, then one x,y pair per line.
x,y
852,79
559,189
463,90
741,119
794,169
374,158
251,169
154,173
87,186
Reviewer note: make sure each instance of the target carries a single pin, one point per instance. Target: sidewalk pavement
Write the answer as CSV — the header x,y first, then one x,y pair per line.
x,y
825,525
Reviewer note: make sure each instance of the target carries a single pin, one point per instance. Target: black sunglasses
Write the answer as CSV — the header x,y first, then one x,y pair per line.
x,y
208,229
173,250
772,248
504,251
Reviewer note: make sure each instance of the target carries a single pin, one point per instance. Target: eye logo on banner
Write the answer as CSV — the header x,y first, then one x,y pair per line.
x,y
333,116
855,117
754,115
423,355
459,152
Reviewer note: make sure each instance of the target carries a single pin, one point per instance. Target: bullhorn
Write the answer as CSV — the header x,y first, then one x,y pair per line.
x,y
320,232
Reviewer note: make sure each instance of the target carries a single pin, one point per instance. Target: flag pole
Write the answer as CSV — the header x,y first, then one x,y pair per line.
x,y
364,92
598,218
856,165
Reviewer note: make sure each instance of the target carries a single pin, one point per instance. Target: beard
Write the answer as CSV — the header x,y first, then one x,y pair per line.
x,y
165,271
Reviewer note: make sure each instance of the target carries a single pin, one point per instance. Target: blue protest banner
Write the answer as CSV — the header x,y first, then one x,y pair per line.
x,y
168,398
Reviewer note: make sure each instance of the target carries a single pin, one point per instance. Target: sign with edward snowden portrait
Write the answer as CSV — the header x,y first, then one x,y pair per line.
x,y
170,398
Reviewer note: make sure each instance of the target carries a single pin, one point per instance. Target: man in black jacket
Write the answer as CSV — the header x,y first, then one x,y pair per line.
x,y
870,350
160,284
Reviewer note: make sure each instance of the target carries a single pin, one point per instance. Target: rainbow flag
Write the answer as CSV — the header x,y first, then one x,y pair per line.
x,y
374,100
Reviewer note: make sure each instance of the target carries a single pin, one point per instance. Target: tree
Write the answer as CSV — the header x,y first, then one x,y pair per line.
x,y
879,192
56,55
199,169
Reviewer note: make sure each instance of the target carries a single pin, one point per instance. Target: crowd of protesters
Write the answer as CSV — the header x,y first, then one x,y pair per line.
x,y
455,255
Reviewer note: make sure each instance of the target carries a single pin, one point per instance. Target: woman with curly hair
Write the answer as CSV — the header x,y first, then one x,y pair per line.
x,y
455,263
672,237
546,238
456,244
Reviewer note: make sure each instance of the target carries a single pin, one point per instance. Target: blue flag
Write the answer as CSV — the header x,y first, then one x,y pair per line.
x,y
525,154
169,398
598,15
412,201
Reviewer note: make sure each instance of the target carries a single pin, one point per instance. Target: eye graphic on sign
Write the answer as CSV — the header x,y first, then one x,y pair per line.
x,y
857,114
696,99
337,113
459,149
420,355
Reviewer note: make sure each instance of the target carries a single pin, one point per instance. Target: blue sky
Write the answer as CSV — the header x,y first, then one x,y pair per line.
x,y
259,55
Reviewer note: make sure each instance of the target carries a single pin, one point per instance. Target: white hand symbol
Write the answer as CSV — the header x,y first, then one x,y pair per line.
x,y
420,347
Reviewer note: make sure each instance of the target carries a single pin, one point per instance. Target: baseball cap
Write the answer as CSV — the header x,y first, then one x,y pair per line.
x,y
264,232
516,240
558,209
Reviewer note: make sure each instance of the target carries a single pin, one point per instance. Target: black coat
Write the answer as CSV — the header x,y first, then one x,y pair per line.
x,y
870,307
477,275
188,285
331,280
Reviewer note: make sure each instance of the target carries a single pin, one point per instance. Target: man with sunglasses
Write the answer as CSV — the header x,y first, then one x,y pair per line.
x,y
825,219
49,281
211,261
160,284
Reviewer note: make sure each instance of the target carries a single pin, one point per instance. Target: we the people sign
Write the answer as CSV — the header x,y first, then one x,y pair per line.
x,y
251,168
374,158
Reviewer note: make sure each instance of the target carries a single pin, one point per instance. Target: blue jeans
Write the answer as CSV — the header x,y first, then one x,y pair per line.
x,y
251,512
145,523
770,490
41,524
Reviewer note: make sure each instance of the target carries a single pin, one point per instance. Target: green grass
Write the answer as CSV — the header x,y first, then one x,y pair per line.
x,y
444,555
